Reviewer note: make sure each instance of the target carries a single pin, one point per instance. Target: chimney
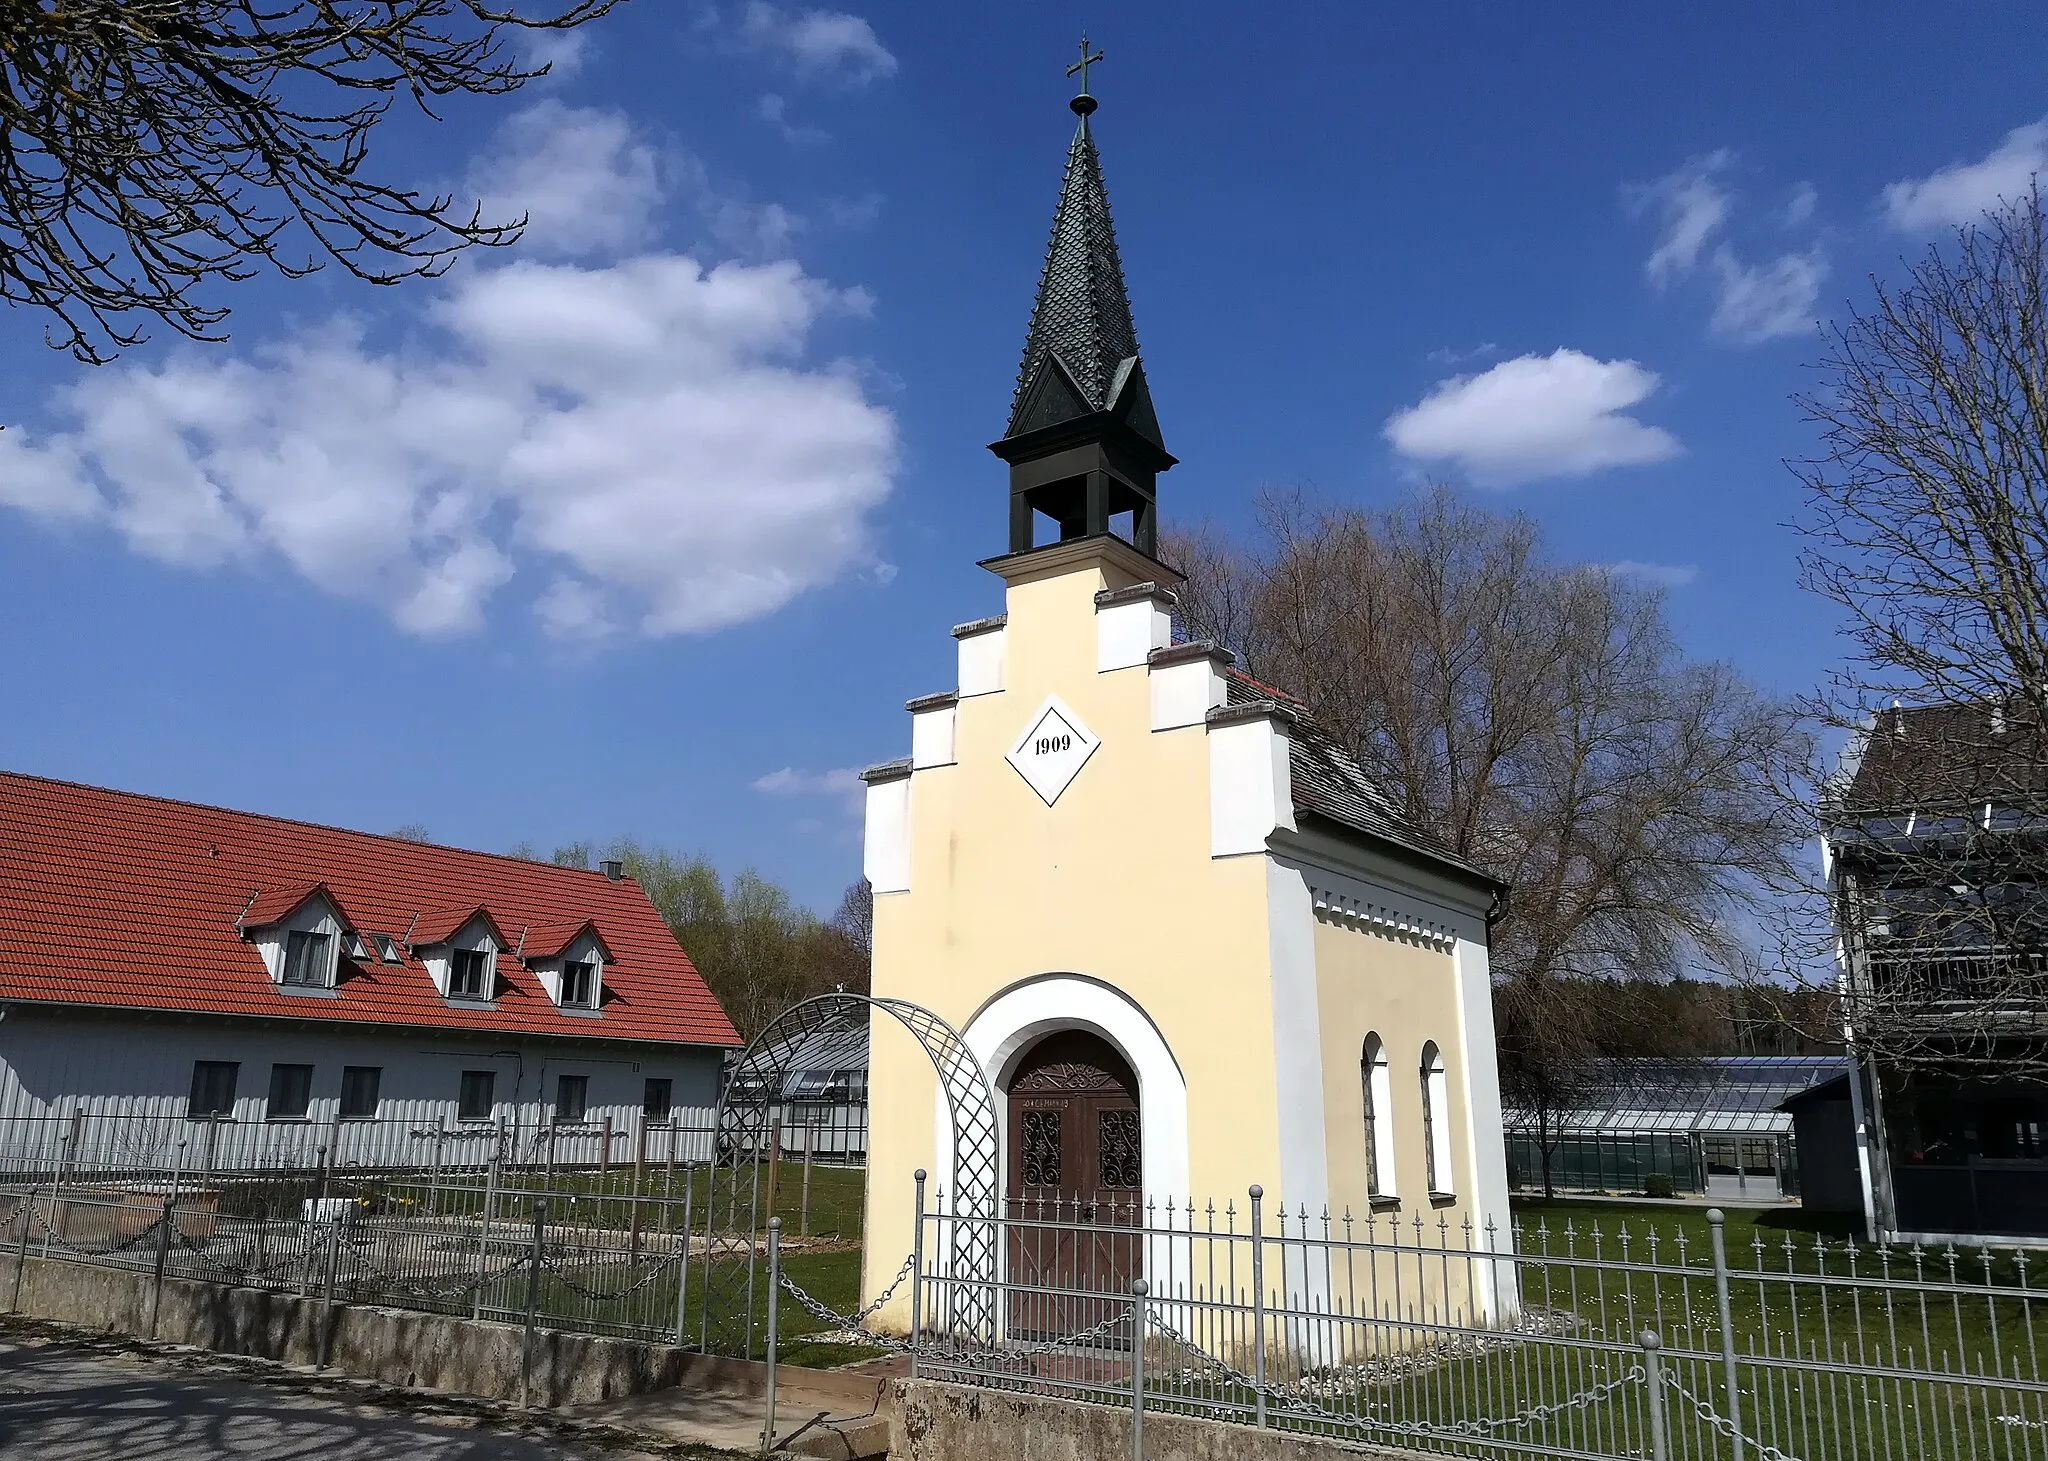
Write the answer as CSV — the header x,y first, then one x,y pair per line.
x,y
612,869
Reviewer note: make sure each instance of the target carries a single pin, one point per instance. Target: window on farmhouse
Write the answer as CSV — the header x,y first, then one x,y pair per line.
x,y
468,973
359,1089
478,1089
572,1097
578,977
213,1088
658,1101
291,1091
305,958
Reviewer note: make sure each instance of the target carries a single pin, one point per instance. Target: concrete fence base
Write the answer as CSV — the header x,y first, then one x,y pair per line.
x,y
935,1422
396,1346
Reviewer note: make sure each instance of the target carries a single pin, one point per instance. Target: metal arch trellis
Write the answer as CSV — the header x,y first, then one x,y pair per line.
x,y
746,1112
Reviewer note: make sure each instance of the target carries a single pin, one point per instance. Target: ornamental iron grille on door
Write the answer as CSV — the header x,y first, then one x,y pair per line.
x,y
1076,1181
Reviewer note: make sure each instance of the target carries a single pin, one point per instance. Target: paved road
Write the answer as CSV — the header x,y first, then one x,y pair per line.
x,y
66,1402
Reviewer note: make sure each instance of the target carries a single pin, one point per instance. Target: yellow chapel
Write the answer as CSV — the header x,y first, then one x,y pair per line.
x,y
1188,942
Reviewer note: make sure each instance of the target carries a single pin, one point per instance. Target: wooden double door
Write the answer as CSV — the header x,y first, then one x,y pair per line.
x,y
1075,1190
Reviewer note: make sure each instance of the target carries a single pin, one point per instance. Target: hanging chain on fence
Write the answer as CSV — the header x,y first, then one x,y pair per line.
x,y
288,1261
1294,1400
555,1266
1724,1425
852,1323
50,1232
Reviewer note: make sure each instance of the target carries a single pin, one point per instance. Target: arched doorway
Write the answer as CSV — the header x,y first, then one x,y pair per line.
x,y
1074,1190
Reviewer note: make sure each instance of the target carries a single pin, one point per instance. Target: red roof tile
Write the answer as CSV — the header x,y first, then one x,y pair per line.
x,y
275,905
114,899
438,928
546,940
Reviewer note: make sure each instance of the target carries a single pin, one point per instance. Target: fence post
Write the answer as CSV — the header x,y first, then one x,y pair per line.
x,y
327,1290
1653,1394
917,1275
1258,1195
163,1238
540,1222
483,1234
167,1220
1716,1227
1139,1321
804,1212
639,1174
28,1211
66,1150
683,1268
774,1287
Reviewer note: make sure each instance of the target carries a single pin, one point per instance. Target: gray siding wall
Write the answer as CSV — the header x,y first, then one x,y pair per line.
x,y
134,1072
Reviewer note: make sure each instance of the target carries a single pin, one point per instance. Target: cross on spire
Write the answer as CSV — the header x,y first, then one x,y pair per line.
x,y
1081,66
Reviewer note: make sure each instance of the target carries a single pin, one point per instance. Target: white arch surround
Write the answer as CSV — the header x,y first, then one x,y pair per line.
x,y
1020,1015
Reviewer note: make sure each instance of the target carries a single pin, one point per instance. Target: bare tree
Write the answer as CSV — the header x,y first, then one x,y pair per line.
x,y
1927,526
1927,519
1537,718
148,147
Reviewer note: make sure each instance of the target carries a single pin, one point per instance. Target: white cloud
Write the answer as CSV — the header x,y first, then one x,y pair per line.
x,y
1758,302
1800,206
1692,204
562,52
1445,355
644,441
822,44
44,482
1962,192
583,182
1557,415
1664,575
843,785
1752,302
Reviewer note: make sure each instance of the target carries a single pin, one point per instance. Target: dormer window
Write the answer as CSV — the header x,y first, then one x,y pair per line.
x,y
300,932
469,973
387,949
570,959
306,958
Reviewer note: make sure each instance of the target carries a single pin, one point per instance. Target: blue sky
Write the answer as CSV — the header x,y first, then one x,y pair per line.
x,y
651,525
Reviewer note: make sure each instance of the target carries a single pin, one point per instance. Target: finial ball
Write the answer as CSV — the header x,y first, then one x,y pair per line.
x,y
1083,104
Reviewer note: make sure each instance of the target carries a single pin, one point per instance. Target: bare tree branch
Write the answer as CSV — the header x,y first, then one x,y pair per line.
x,y
149,147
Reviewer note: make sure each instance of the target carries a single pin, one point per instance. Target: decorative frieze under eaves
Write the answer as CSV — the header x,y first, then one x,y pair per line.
x,y
1366,910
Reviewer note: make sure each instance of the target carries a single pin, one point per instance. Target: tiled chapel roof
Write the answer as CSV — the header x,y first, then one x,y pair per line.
x,y
1329,784
114,899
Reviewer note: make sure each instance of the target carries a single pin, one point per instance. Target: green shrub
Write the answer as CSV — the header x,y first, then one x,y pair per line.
x,y
1658,1184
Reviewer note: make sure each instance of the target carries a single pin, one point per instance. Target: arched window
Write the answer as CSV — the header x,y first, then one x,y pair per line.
x,y
1436,1124
1378,1089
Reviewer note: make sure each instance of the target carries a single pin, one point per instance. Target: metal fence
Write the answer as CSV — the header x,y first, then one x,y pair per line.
x,y
1577,1339
631,1249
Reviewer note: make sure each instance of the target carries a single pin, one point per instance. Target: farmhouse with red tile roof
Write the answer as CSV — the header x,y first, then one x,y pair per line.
x,y
165,959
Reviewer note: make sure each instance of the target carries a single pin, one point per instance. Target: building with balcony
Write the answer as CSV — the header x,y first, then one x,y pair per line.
x,y
1935,844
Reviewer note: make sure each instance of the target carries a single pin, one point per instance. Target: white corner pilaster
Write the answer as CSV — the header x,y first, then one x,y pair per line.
x,y
932,722
1486,1147
981,655
1251,789
1186,683
885,842
1130,623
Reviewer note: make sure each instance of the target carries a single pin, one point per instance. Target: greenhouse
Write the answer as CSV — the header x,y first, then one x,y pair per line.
x,y
1711,1127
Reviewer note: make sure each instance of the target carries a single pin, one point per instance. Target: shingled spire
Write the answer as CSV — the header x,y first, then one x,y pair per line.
x,y
1083,442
